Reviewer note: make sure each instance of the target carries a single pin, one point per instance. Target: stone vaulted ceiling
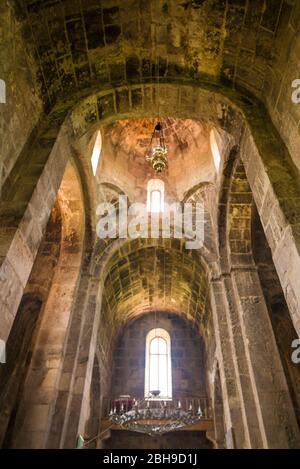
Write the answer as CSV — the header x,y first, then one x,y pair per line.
x,y
127,142
156,275
147,276
81,43
94,45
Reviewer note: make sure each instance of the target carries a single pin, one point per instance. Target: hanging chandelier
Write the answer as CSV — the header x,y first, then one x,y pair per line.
x,y
154,416
158,151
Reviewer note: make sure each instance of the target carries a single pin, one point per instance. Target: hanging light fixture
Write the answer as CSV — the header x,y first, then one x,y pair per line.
x,y
155,416
158,151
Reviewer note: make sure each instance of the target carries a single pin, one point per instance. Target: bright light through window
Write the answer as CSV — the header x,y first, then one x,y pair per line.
x,y
155,201
215,149
158,374
155,196
96,152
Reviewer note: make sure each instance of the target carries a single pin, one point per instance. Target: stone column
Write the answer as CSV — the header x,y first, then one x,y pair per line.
x,y
277,421
232,403
251,420
71,411
43,379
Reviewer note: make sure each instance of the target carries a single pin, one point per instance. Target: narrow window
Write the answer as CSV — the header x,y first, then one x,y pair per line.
x,y
215,149
158,373
155,201
155,196
96,152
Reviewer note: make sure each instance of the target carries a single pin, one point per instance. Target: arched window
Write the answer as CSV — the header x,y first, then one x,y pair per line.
x,y
215,149
96,152
158,373
155,196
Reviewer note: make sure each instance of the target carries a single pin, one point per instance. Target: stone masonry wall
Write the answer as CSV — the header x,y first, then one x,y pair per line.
x,y
187,355
251,44
21,112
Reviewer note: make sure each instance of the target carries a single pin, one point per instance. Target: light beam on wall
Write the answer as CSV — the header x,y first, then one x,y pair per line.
x,y
96,152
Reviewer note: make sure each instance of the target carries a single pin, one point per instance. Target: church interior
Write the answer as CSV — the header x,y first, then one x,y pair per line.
x,y
114,335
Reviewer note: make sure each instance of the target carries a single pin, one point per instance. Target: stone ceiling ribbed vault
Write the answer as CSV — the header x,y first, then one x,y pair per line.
x,y
79,43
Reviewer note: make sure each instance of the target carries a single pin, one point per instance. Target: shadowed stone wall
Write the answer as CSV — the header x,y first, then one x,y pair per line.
x,y
23,108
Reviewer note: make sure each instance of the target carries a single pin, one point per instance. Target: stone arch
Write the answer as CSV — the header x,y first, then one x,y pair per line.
x,y
20,344
198,192
182,101
110,193
226,115
161,252
206,193
127,85
242,118
117,251
31,427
